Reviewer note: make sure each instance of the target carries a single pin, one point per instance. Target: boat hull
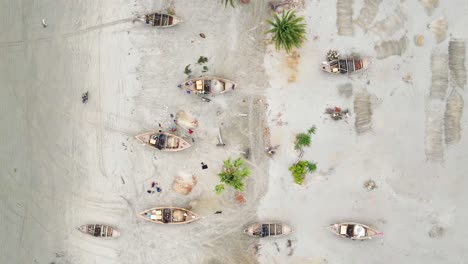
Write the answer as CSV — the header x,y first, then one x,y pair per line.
x,y
174,143
169,215
348,65
208,85
169,22
268,229
98,230
369,232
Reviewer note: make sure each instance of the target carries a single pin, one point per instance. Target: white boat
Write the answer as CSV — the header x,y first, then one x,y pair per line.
x,y
98,230
354,231
163,141
268,229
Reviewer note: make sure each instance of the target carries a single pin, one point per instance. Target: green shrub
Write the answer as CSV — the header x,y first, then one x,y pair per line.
x,y
233,174
288,31
300,169
303,139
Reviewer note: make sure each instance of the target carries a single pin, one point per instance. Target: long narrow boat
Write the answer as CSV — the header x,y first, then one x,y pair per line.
x,y
208,85
345,65
354,231
98,230
159,19
163,141
267,229
169,215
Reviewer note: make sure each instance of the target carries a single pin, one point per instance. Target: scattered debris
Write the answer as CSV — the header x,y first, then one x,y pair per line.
x,y
187,70
243,115
271,150
332,55
85,97
220,139
123,181
206,99
44,23
370,185
277,246
256,248
407,78
246,153
218,212
436,231
202,35
337,113
240,198
204,166
289,243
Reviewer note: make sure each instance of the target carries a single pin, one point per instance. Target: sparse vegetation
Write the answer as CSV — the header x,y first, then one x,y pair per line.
x,y
202,60
205,69
233,174
226,2
303,139
300,169
289,31
187,70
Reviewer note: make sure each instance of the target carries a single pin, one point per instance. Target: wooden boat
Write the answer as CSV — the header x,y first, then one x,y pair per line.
x,y
163,141
345,65
208,85
159,19
266,229
99,230
169,215
354,231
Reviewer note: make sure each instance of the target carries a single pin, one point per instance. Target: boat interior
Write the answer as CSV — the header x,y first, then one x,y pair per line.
x,y
163,141
265,230
159,20
207,86
167,215
99,230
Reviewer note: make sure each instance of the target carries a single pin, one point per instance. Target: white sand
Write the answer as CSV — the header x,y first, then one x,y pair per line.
x,y
414,195
64,164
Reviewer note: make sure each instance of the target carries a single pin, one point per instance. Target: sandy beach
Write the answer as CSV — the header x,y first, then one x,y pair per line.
x,y
65,163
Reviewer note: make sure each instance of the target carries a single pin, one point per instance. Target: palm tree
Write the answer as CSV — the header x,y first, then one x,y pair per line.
x,y
233,174
226,2
288,30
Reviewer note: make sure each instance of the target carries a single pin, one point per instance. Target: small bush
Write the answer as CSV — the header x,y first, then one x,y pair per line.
x,y
300,169
233,174
303,139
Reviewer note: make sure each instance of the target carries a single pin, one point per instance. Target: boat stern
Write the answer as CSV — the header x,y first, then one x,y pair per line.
x,y
325,66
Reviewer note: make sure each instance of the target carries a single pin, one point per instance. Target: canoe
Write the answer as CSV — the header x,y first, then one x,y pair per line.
x,y
163,141
169,215
98,230
208,85
354,231
267,229
159,20
345,65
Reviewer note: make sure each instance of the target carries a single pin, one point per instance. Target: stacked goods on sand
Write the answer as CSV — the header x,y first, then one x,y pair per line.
x,y
184,183
186,120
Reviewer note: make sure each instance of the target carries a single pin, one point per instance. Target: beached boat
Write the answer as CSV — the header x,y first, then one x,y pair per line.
x,y
345,65
159,19
208,85
99,230
169,215
266,229
163,141
354,231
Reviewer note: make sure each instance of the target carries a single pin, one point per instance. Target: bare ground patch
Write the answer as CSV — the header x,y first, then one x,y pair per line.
x,y
344,17
391,47
363,111
368,13
456,60
434,130
453,115
439,80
